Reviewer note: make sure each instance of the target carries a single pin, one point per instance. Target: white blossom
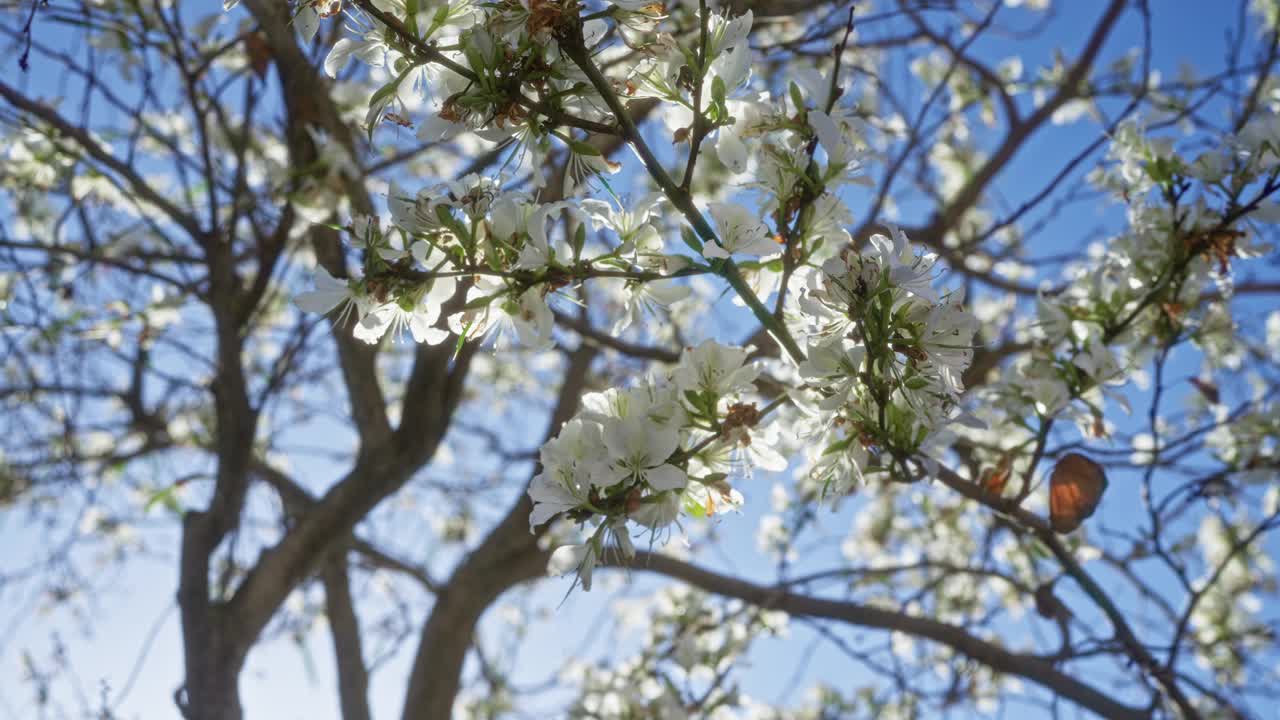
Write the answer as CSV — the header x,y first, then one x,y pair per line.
x,y
740,231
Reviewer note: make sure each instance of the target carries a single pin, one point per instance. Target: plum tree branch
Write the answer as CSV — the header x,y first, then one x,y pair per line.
x,y
344,629
507,556
571,43
997,658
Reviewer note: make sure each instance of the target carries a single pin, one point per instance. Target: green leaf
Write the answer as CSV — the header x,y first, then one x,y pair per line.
x,y
691,239
462,340
797,98
383,96
474,58
581,148
1037,549
481,301
438,20
690,59
168,497
693,508
718,92
411,16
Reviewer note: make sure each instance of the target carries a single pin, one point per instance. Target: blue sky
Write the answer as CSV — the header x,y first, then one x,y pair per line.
x,y
102,646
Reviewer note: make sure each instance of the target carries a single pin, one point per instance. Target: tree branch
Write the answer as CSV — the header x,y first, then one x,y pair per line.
x,y
94,149
344,628
508,556
997,658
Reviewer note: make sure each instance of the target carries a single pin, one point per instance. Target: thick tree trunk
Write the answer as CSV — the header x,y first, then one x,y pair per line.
x,y
508,557
214,694
211,688
344,629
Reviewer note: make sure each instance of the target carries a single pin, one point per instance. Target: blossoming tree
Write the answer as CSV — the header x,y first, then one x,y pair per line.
x,y
383,313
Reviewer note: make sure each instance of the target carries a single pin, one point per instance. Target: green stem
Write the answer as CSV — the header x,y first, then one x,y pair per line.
x,y
571,43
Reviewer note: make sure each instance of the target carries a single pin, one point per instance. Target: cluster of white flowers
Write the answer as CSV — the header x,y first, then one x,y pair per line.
x,y
1148,282
885,361
376,310
648,453
877,353
497,242
878,391
885,353
496,245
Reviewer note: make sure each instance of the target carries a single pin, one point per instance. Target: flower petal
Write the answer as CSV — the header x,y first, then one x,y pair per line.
x,y
666,477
